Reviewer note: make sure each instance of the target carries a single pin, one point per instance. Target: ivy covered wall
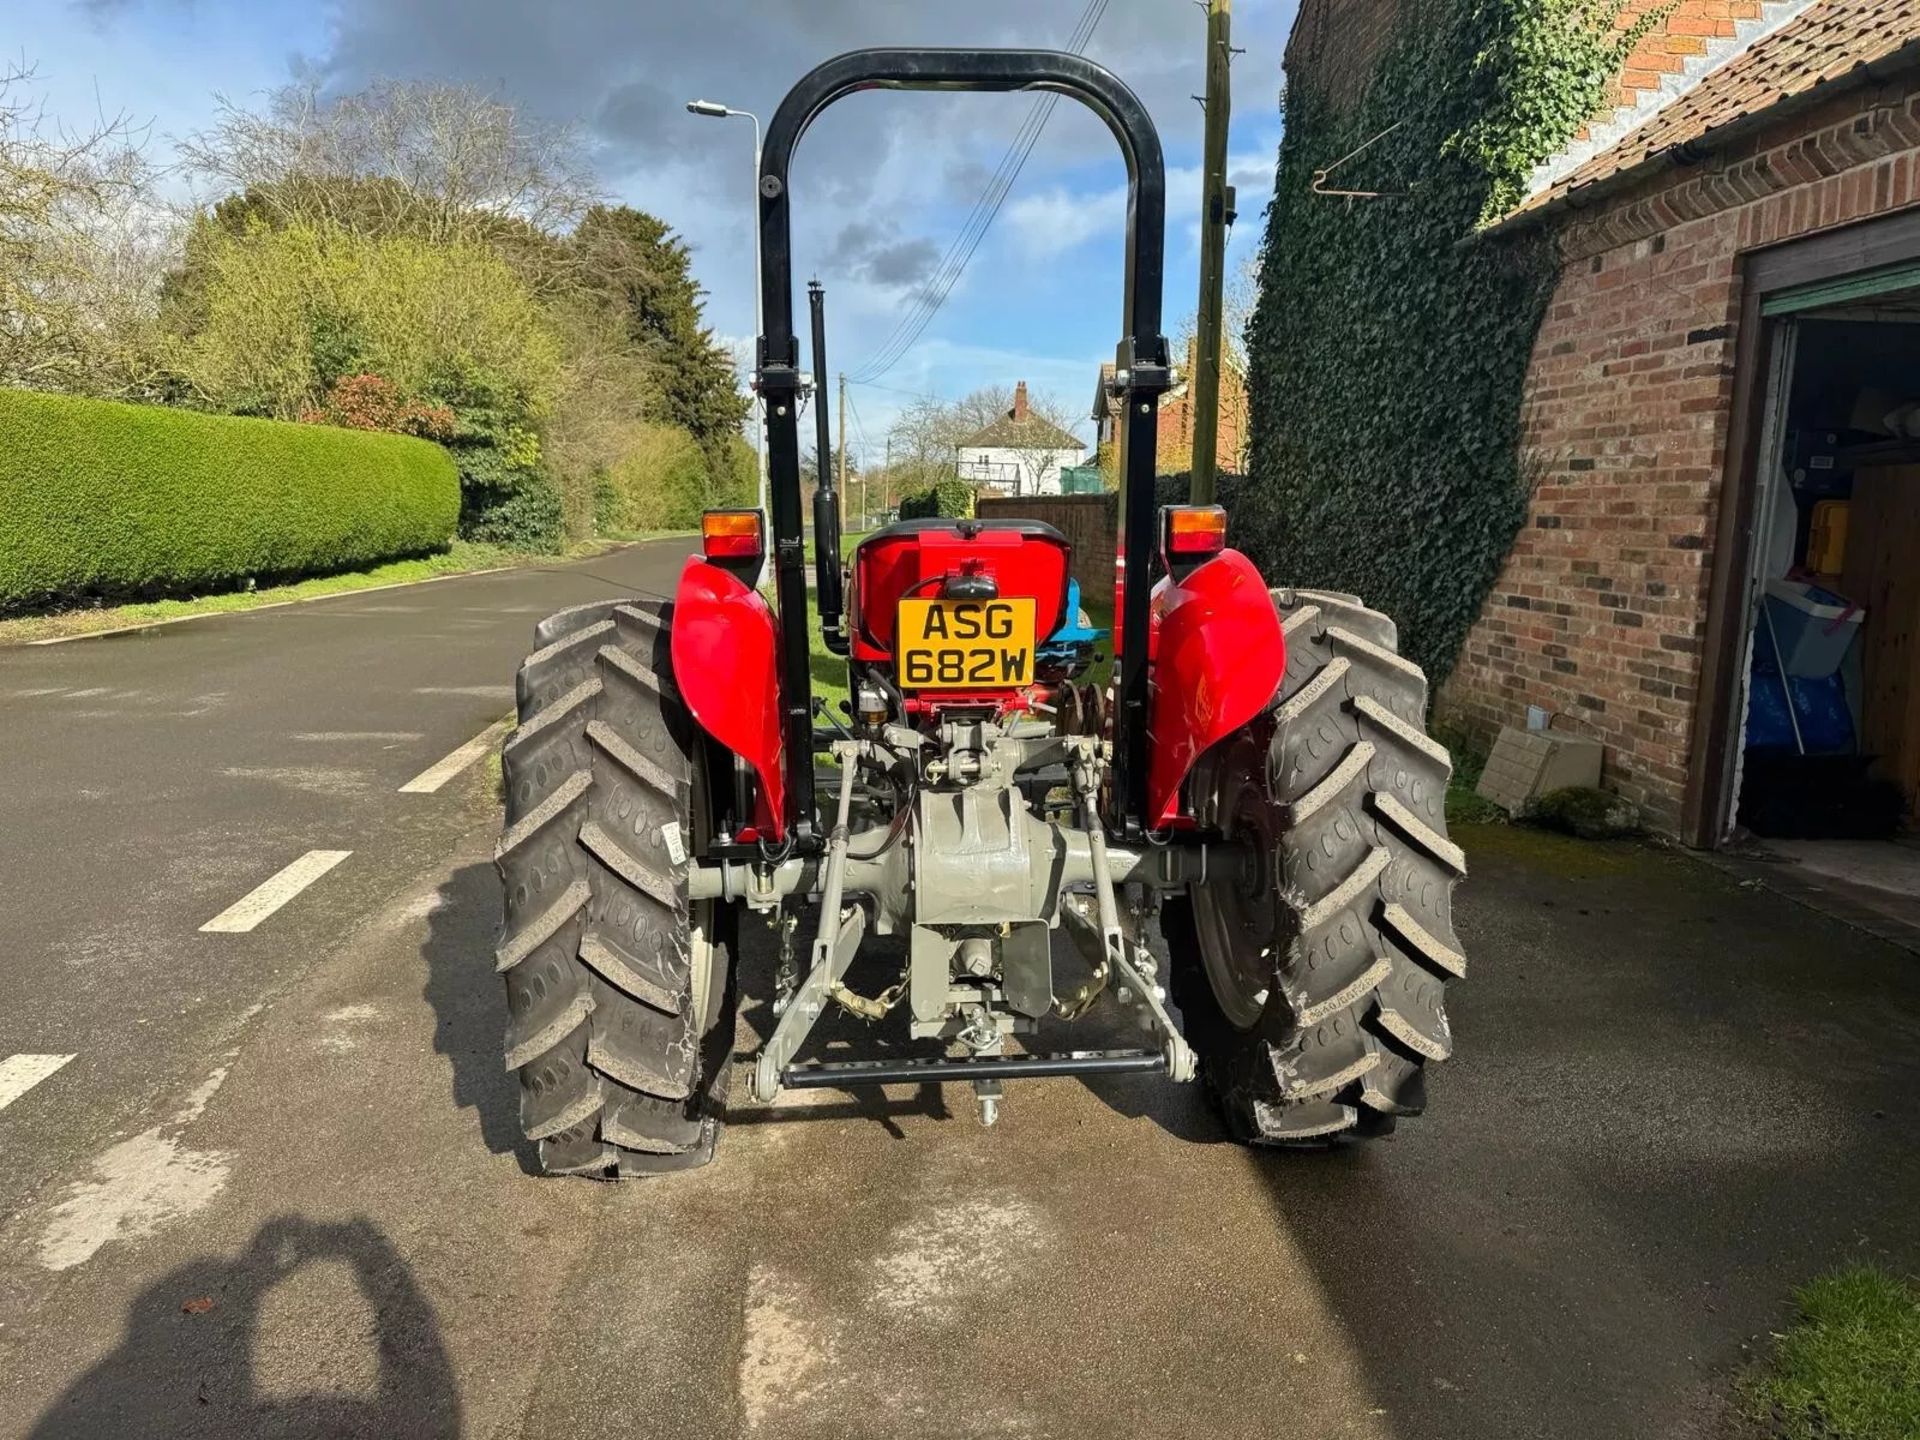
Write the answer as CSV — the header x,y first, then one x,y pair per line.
x,y
1390,342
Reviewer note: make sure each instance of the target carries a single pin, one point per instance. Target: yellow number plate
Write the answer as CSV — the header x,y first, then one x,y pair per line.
x,y
965,644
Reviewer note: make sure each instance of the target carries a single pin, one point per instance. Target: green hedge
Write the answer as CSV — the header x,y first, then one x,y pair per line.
x,y
950,499
104,499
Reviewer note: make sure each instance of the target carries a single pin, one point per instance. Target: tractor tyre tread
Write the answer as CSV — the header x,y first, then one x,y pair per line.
x,y
1366,874
618,1074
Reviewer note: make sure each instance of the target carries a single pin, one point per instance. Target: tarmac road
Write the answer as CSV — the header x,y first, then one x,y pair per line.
x,y
153,779
292,1203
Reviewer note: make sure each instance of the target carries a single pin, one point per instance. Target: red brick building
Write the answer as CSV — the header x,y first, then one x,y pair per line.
x,y
1173,437
1741,257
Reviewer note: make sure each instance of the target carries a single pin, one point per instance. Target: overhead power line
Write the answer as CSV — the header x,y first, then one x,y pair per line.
x,y
866,446
893,389
933,295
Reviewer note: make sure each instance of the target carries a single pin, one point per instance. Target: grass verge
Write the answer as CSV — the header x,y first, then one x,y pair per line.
x,y
848,540
1848,1368
462,558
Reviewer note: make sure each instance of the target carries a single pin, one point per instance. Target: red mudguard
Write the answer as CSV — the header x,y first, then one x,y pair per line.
x,y
1217,659
726,663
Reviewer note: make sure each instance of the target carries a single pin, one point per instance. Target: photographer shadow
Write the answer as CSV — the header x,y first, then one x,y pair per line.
x,y
199,1351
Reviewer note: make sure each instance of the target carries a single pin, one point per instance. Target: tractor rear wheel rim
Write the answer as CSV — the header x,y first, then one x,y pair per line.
x,y
1238,918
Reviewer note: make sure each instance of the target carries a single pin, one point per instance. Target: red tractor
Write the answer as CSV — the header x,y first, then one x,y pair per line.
x,y
1257,777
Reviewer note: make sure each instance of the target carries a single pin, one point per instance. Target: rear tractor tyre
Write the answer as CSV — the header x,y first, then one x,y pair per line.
x,y
620,990
1314,992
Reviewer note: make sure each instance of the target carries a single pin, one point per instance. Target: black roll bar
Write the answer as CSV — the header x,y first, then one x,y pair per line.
x,y
1140,367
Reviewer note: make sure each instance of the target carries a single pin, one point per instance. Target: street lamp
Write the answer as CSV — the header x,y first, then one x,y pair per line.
x,y
714,110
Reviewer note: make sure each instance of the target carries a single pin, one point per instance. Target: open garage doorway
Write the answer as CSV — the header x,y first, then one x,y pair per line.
x,y
1825,745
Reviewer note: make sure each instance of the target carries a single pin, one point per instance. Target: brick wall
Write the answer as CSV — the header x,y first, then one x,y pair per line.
x,y
1600,610
1336,43
1088,521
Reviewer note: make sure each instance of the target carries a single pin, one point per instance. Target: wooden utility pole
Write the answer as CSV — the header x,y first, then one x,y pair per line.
x,y
1216,213
843,437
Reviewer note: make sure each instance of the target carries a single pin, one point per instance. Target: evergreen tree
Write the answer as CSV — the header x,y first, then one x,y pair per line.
x,y
638,260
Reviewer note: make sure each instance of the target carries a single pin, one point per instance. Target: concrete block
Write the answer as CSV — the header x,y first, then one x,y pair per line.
x,y
1526,763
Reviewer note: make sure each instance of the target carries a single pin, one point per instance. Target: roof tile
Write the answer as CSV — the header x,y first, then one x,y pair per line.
x,y
1828,42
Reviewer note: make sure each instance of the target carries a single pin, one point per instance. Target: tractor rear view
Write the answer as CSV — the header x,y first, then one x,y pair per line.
x,y
1256,780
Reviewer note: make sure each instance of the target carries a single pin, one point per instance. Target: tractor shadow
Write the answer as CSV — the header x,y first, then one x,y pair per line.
x,y
1180,1110
470,1010
210,1348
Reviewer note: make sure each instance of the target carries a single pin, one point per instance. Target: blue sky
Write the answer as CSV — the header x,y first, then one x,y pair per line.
x,y
882,183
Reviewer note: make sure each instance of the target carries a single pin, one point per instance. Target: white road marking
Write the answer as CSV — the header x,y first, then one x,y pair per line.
x,y
250,909
441,771
478,692
20,1073
341,737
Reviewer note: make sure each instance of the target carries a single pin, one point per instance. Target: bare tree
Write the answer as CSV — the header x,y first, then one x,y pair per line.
x,y
978,409
921,440
83,247
927,435
1239,293
444,160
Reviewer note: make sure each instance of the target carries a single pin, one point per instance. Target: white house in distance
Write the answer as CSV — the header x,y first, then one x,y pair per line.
x,y
1019,454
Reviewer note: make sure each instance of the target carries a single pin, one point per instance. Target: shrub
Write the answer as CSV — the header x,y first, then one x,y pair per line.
x,y
372,402
661,482
606,504
286,313
948,499
286,320
607,392
736,477
104,499
529,515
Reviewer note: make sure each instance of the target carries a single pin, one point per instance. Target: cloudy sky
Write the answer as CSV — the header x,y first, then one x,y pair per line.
x,y
883,183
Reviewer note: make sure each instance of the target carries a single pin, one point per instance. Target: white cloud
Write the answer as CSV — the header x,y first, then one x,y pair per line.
x,y
1058,219
911,165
